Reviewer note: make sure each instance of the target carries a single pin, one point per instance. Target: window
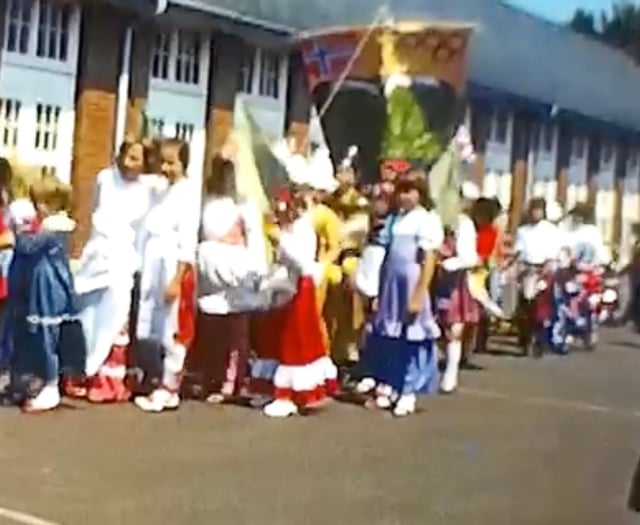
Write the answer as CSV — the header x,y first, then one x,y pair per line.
x,y
535,131
548,136
245,84
156,127
577,147
19,15
9,115
48,171
184,131
500,127
161,55
50,19
269,75
188,58
47,120
176,57
53,30
606,153
634,159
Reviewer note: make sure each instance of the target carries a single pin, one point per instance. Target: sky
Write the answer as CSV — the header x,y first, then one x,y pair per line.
x,y
561,10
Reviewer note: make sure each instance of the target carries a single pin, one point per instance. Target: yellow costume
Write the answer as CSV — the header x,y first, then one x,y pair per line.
x,y
328,230
344,310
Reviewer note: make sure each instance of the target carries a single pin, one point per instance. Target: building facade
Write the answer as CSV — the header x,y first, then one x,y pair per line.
x,y
76,76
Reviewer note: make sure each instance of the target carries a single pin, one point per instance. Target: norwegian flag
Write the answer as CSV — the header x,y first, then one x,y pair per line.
x,y
326,58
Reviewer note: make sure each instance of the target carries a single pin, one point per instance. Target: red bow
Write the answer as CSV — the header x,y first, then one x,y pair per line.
x,y
397,165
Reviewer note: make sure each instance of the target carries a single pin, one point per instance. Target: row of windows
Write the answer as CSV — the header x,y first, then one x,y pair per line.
x,y
543,137
260,73
39,28
47,125
182,130
177,57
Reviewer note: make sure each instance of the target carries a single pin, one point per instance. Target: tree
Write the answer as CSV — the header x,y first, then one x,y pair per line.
x,y
619,29
584,22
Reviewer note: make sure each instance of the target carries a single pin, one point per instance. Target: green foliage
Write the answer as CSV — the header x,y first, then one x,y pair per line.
x,y
619,28
407,135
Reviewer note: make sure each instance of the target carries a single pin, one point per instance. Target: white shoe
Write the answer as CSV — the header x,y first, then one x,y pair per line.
x,y
216,398
280,408
405,406
159,400
365,385
47,399
383,402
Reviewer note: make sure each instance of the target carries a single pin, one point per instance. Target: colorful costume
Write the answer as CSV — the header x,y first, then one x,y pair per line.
x,y
231,258
47,339
305,375
402,356
104,279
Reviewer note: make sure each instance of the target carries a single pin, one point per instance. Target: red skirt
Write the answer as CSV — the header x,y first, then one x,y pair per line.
x,y
265,333
305,374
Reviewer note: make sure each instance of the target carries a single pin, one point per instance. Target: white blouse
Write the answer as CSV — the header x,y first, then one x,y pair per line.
x,y
466,256
424,225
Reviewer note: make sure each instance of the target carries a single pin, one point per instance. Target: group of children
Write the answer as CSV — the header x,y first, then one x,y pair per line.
x,y
228,303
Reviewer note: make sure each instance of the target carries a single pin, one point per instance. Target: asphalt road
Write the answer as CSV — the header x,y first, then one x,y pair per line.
x,y
524,443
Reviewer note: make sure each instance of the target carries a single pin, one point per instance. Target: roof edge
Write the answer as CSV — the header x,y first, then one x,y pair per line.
x,y
406,24
202,5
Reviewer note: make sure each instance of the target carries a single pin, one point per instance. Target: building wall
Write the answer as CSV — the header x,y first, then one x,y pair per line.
x,y
263,89
37,84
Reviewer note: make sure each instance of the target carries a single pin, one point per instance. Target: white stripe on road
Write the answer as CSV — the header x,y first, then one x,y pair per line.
x,y
550,402
23,518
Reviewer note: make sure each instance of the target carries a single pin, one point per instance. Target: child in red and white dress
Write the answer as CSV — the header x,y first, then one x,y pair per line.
x,y
305,375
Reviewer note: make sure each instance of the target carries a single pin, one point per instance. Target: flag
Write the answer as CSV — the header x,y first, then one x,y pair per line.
x,y
259,173
326,57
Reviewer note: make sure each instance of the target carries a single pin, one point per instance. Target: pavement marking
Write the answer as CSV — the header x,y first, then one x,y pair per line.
x,y
551,402
23,518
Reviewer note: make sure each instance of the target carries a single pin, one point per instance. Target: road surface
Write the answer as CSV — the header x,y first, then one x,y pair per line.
x,y
524,442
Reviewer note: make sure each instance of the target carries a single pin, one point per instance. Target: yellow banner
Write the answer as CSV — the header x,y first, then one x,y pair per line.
x,y
366,53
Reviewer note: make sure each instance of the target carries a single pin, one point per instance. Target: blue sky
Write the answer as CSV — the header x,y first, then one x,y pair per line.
x,y
561,10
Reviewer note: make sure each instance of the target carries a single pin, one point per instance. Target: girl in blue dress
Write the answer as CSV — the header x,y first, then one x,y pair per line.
x,y
46,336
403,330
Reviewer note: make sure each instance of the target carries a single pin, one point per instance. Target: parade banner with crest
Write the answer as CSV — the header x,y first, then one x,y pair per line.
x,y
394,90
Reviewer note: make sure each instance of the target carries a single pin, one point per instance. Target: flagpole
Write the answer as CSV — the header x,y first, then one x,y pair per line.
x,y
381,14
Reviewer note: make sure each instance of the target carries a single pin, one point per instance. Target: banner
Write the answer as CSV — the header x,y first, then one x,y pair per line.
x,y
415,49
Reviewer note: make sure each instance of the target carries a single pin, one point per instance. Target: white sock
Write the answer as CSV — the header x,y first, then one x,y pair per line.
x,y
454,354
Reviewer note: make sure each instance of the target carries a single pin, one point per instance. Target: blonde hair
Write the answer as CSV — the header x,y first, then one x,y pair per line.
x,y
53,193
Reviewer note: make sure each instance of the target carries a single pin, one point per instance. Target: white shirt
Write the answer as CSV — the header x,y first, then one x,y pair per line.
x,y
466,246
538,243
589,235
424,225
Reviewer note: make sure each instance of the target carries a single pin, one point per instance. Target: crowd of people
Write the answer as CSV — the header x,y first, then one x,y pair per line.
x,y
228,303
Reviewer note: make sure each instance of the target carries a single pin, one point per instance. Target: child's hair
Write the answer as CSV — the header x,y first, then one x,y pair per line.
x,y
183,150
6,181
150,152
221,169
56,195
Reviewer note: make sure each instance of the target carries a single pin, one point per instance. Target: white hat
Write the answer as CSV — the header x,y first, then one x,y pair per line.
x,y
470,190
321,173
554,211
